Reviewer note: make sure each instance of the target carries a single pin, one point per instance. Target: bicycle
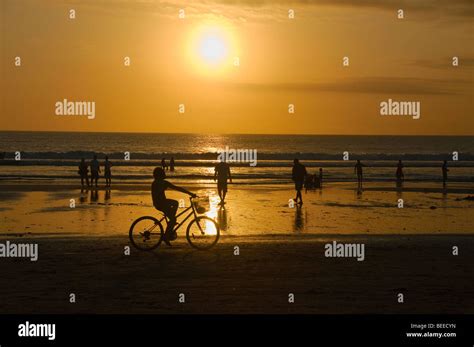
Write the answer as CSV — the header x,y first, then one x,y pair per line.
x,y
147,232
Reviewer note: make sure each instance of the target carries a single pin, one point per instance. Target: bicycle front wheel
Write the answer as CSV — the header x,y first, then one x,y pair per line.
x,y
202,233
146,233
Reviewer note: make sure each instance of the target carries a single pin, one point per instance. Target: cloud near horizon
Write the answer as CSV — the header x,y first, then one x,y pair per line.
x,y
371,85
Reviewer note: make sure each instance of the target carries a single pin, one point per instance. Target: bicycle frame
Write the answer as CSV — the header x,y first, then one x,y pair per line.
x,y
179,224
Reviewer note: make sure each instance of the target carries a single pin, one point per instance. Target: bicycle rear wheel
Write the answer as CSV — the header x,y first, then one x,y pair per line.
x,y
146,233
202,233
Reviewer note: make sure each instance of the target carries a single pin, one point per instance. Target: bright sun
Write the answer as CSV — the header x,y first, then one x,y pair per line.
x,y
212,49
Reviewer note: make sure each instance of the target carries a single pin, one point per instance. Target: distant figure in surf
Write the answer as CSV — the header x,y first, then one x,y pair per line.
x,y
298,176
83,172
163,164
399,174
172,164
444,169
107,172
358,169
95,170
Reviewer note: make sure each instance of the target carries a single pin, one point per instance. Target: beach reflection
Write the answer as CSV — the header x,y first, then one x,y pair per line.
x,y
107,195
208,226
298,225
94,195
222,218
399,187
83,197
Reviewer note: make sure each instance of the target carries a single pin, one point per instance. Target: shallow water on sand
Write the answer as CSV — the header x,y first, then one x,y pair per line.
x,y
255,210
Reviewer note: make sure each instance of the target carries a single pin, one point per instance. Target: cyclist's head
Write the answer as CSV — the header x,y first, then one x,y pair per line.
x,y
159,173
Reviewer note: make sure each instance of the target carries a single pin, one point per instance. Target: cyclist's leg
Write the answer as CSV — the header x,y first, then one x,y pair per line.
x,y
170,209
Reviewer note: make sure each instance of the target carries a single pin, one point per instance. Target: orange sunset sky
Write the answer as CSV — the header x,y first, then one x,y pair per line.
x,y
282,61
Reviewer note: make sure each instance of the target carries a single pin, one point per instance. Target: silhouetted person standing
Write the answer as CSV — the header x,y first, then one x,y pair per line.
x,y
163,164
358,169
445,170
399,174
83,172
298,175
222,174
172,164
107,172
95,170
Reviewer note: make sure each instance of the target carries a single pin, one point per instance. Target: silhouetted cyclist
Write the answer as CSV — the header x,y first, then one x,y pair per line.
x,y
167,206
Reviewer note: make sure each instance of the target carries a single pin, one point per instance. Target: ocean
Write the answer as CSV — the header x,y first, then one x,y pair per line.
x,y
55,155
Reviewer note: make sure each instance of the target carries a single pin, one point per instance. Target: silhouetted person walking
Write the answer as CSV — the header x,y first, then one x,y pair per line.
x,y
358,169
172,164
95,170
163,164
222,174
445,170
298,175
83,172
107,172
